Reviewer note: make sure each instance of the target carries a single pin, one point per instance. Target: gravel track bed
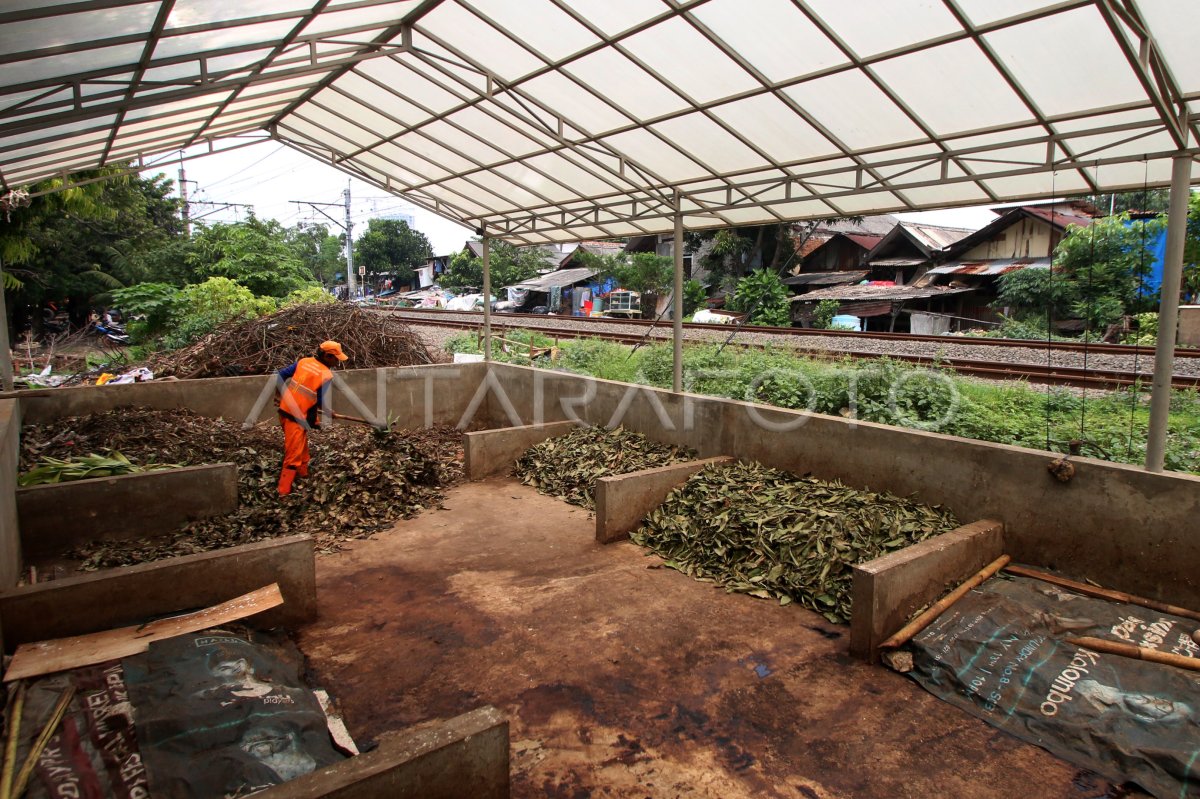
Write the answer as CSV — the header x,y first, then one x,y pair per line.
x,y
948,350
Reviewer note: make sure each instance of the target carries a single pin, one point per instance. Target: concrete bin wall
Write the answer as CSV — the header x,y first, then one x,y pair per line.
x,y
55,517
463,757
1189,325
1116,524
888,590
415,396
10,539
489,452
132,594
623,500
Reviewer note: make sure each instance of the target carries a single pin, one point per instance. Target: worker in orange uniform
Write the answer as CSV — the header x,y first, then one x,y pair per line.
x,y
302,389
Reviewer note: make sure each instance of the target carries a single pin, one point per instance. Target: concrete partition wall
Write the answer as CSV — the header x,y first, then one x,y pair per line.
x,y
465,757
133,594
1118,525
122,508
10,538
414,396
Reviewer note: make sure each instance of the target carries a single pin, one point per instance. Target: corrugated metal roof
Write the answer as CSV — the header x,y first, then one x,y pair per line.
x,y
825,278
898,261
561,277
878,293
936,237
997,266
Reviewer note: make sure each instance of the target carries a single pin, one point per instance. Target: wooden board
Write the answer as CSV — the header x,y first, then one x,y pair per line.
x,y
47,657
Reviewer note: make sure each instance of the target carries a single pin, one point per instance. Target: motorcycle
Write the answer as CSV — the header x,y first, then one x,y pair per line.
x,y
112,333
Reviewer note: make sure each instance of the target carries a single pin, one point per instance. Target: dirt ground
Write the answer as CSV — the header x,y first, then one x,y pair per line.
x,y
622,679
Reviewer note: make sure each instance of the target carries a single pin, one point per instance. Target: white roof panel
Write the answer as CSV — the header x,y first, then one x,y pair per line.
x,y
555,119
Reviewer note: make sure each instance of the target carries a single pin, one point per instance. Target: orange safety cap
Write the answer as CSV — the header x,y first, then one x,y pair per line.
x,y
333,348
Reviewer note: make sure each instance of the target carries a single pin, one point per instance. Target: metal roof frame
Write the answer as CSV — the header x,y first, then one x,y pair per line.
x,y
563,120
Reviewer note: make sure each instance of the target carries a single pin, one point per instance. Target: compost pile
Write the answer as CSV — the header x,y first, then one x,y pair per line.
x,y
568,466
362,481
269,343
772,534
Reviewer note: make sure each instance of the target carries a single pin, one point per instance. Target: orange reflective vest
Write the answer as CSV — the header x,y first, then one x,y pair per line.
x,y
301,396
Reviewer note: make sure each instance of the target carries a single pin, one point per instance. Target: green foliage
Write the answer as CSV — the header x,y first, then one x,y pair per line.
x,y
80,243
824,313
763,295
390,246
1146,334
257,254
695,297
508,265
323,254
1034,291
202,307
309,295
603,359
151,305
1108,263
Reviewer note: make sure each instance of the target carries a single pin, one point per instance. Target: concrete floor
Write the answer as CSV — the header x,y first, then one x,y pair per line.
x,y
621,679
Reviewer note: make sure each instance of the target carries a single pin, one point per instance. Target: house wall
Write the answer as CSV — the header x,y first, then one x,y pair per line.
x,y
1028,238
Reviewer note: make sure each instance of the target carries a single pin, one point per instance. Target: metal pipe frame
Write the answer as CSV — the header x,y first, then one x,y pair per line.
x,y
1168,315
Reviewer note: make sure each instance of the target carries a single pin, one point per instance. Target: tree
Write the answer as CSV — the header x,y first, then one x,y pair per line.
x,y
1036,292
1108,263
508,265
391,246
644,272
79,243
1156,200
1191,254
323,254
255,253
762,295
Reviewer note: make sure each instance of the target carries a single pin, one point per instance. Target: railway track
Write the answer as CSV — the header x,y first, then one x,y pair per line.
x,y
1097,378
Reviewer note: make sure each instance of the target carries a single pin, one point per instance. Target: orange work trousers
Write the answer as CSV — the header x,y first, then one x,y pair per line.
x,y
295,454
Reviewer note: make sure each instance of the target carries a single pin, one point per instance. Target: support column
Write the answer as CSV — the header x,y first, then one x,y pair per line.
x,y
487,298
677,299
1168,313
6,364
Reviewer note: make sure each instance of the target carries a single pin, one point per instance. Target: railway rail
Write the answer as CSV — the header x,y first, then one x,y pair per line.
x,y
1079,377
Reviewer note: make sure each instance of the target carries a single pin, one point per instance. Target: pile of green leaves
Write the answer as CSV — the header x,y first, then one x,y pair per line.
x,y
771,534
568,466
361,481
83,467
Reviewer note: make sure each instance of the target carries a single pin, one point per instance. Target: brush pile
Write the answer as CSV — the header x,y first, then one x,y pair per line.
x,y
362,481
267,344
568,466
772,534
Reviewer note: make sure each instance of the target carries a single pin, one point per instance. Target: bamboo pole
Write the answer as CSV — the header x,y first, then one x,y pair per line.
x,y
10,747
915,626
1136,652
1102,593
47,733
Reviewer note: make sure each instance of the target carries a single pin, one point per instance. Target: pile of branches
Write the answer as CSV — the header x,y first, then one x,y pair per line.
x,y
269,343
774,535
568,466
361,481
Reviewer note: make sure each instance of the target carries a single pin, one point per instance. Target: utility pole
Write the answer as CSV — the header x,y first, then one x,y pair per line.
x,y
187,219
347,227
351,279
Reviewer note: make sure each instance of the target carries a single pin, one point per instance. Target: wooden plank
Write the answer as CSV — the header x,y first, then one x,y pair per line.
x,y
47,657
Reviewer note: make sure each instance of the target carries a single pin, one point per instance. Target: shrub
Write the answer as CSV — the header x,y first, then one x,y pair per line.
x,y
309,295
202,307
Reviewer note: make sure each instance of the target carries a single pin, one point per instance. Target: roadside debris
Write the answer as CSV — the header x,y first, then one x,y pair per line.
x,y
260,346
568,466
367,480
771,534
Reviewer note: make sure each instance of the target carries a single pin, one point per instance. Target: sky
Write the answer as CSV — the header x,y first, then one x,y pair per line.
x,y
269,176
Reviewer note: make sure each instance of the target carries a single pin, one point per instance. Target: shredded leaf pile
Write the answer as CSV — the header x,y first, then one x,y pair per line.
x,y
771,534
361,481
568,466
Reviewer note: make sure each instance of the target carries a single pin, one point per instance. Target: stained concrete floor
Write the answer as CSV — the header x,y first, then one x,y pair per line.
x,y
621,679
